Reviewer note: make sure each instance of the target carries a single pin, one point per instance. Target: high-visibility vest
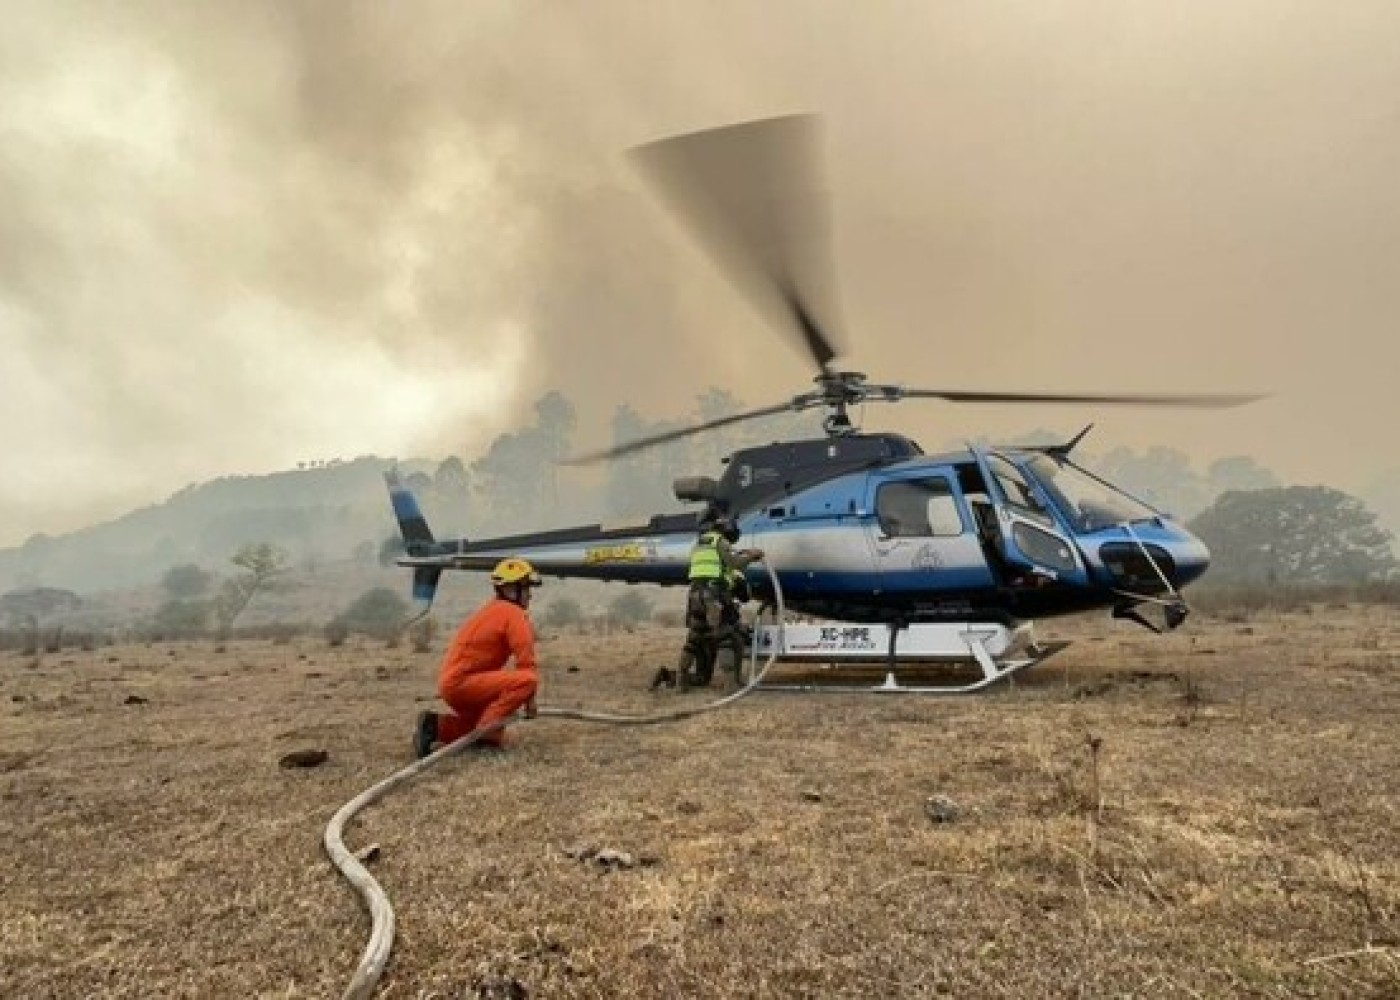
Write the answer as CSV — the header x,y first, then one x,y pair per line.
x,y
705,561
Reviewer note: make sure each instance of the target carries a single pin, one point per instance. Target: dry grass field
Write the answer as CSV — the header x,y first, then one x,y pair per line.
x,y
1212,813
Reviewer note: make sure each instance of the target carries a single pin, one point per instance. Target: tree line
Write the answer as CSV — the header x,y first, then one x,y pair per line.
x,y
517,484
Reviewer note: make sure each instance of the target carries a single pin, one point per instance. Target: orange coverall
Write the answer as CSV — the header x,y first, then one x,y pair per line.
x,y
473,678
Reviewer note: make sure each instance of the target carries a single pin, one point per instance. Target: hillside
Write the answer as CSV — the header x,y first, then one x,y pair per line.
x,y
326,513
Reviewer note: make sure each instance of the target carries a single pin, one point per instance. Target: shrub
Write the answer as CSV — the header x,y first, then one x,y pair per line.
x,y
669,618
337,631
181,619
379,612
629,609
562,612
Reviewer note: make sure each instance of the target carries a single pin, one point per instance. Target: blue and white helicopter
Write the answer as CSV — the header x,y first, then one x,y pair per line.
x,y
862,530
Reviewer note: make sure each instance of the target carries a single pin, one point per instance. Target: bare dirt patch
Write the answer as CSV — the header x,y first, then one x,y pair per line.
x,y
1210,813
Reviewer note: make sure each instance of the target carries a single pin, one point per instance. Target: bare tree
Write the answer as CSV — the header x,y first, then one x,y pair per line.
x,y
262,563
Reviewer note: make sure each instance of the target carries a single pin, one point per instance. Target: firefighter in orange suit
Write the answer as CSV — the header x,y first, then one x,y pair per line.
x,y
473,678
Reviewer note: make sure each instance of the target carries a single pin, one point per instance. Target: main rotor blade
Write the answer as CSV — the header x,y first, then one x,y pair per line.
x,y
1201,400
658,439
754,195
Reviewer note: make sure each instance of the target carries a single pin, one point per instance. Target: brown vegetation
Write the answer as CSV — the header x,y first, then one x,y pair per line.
x,y
1208,813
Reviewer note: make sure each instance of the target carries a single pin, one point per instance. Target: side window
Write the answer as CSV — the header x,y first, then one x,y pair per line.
x,y
917,509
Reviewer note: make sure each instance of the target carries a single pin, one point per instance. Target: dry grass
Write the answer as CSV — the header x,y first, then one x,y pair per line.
x,y
1210,813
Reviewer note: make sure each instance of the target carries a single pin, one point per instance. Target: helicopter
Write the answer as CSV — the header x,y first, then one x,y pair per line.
x,y
858,528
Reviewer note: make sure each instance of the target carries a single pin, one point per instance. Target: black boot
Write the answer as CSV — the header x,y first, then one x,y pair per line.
x,y
424,734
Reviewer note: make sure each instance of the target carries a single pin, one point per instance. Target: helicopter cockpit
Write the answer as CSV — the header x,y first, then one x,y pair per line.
x,y
1087,502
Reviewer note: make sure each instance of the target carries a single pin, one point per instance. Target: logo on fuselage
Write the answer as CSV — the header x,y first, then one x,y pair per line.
x,y
629,552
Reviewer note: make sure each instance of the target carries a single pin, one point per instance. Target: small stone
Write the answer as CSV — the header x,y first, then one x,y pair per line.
x,y
304,758
809,795
941,809
571,670
609,859
136,699
688,808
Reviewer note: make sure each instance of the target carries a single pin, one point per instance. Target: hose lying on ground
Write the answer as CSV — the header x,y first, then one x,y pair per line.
x,y
381,938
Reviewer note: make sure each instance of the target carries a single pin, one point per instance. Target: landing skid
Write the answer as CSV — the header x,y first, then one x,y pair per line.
x,y
915,659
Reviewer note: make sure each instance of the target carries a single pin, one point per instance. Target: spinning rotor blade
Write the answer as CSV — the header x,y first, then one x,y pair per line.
x,y
1200,400
676,435
754,194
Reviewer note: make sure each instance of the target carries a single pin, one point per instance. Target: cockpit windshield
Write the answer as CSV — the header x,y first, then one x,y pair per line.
x,y
1088,503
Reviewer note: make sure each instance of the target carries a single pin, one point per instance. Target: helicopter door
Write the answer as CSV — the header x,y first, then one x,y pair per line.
x,y
1022,529
922,538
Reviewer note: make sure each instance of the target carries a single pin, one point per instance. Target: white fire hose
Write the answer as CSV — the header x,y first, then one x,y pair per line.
x,y
381,938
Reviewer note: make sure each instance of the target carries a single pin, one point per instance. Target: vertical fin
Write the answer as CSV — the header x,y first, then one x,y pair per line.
x,y
417,536
425,582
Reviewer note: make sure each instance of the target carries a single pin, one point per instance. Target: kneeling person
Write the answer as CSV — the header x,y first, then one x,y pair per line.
x,y
710,606
473,678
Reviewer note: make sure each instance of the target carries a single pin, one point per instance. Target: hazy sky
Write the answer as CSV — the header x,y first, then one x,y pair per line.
x,y
234,236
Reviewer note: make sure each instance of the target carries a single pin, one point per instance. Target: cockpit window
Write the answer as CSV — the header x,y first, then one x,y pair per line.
x,y
1017,491
1088,503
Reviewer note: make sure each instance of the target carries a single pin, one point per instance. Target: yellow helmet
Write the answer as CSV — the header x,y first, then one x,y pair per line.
x,y
514,571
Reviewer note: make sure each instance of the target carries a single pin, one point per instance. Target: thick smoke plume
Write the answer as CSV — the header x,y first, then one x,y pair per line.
x,y
237,235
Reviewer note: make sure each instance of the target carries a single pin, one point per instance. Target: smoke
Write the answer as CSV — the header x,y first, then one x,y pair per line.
x,y
234,236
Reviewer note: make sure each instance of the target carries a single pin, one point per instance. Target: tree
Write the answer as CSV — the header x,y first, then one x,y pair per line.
x,y
1163,477
186,582
516,476
1297,535
640,483
555,420
37,602
262,563
451,484
1383,496
1239,472
29,607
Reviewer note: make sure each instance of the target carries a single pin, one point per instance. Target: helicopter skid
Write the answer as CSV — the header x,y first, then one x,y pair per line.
x,y
926,658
